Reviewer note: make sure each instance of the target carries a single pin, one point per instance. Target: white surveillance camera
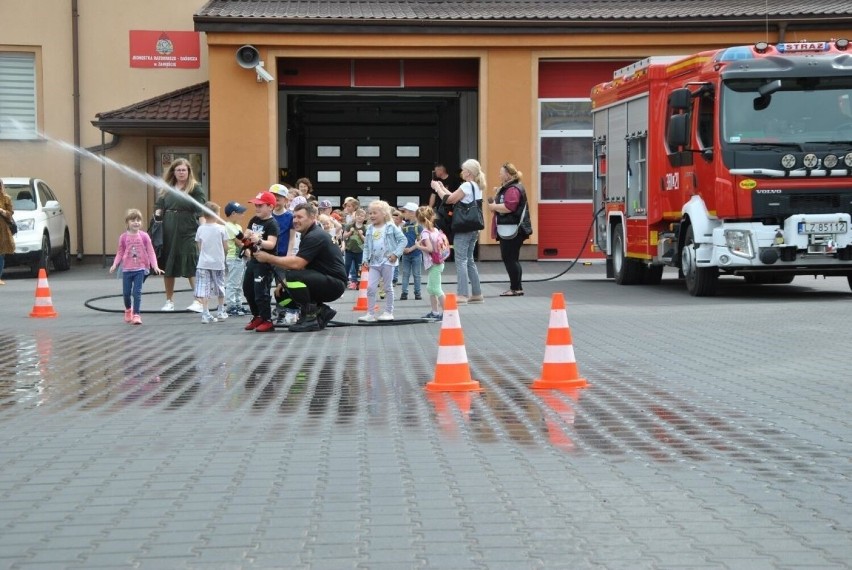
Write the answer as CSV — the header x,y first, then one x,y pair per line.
x,y
262,73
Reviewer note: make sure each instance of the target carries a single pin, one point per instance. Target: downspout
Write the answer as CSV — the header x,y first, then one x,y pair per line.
x,y
782,32
75,66
102,148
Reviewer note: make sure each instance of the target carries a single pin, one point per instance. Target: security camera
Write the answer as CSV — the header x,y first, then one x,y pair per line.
x,y
249,58
263,74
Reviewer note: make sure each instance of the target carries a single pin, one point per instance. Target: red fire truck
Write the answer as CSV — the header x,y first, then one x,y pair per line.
x,y
735,161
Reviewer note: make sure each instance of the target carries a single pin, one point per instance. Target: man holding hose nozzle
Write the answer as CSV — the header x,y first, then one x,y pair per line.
x,y
312,277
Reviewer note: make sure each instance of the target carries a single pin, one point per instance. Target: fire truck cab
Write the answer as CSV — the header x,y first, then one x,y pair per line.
x,y
734,161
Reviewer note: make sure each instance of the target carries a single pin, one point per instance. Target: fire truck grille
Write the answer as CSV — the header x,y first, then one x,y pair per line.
x,y
815,203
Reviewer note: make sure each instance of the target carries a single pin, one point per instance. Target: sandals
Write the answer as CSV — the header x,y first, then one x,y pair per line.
x,y
512,293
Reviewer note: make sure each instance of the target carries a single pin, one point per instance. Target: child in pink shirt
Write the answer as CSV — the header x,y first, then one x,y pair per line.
x,y
135,255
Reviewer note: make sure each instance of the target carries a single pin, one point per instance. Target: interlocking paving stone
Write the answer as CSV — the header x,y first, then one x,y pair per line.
x,y
713,435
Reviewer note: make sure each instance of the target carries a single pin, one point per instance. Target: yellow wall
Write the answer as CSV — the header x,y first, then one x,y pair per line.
x,y
106,83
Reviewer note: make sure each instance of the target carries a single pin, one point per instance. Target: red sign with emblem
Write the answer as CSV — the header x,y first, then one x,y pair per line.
x,y
177,50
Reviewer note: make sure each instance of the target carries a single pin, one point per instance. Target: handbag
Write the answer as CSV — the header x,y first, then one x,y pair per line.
x,y
13,225
468,217
509,231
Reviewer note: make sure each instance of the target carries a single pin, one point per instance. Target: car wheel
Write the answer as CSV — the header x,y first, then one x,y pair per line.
x,y
43,259
62,262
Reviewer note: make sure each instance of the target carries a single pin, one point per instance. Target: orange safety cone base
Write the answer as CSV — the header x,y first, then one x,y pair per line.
x,y
47,313
463,386
543,384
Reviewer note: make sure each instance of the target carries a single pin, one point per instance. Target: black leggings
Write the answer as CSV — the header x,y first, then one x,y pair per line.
x,y
510,251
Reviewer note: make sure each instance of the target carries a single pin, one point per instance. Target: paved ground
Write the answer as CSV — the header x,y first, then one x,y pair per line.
x,y
715,434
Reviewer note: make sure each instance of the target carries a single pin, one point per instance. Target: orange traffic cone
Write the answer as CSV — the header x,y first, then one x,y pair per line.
x,y
559,370
452,372
361,302
43,307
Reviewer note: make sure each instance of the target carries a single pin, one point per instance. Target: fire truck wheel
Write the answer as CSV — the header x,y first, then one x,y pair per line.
x,y
627,271
700,281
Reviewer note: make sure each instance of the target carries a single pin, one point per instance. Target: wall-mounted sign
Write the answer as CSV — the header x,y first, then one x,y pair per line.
x,y
152,49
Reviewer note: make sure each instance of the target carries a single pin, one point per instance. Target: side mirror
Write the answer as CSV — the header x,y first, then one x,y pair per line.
x,y
680,99
677,134
51,205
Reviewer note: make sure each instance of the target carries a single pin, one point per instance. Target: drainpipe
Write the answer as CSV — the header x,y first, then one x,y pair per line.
x,y
75,66
782,32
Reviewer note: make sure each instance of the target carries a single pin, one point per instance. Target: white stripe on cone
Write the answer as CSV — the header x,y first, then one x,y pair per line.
x,y
559,353
452,354
43,302
558,319
451,320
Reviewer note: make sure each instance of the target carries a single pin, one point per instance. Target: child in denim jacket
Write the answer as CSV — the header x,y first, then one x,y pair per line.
x,y
383,247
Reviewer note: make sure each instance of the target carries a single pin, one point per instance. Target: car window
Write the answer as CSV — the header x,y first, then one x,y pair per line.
x,y
48,193
22,197
42,195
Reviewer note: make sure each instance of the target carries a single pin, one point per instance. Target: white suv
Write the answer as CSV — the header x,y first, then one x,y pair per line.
x,y
42,230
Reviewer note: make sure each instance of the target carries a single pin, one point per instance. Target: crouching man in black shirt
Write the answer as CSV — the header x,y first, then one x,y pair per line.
x,y
313,276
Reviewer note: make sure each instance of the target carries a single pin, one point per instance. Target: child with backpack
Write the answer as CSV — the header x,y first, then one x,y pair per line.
x,y
436,249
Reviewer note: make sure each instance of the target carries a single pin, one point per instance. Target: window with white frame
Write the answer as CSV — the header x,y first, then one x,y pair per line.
x,y
17,96
565,150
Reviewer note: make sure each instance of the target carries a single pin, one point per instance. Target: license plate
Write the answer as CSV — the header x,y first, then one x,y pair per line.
x,y
822,227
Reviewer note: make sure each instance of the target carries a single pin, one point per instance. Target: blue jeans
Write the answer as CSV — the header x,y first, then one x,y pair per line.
x,y
131,282
2,264
352,262
463,245
411,264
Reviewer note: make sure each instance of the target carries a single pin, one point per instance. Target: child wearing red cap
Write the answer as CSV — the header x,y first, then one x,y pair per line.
x,y
261,233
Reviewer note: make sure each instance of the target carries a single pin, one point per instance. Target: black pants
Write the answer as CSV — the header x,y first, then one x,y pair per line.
x,y
510,251
256,284
307,286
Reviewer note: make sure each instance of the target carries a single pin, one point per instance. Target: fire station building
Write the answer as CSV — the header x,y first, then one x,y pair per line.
x,y
364,97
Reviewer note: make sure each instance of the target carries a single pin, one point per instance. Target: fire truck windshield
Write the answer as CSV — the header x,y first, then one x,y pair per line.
x,y
793,112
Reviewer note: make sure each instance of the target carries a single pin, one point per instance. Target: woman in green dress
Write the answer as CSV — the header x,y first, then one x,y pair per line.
x,y
179,212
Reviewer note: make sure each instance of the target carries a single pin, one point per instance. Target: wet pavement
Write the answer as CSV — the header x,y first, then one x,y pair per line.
x,y
714,433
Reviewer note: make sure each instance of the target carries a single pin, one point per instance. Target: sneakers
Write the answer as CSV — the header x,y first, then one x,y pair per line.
x,y
253,323
386,316
403,297
237,311
128,315
135,320
475,299
195,307
417,297
264,326
461,300
430,315
207,318
368,318
221,314
169,306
